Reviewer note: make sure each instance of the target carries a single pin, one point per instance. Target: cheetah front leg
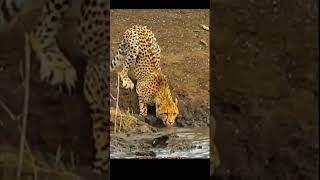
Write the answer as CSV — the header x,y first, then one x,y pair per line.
x,y
144,96
93,38
142,108
54,66
96,94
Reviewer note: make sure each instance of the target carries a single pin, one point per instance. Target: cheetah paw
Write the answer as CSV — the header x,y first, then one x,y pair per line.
x,y
58,73
143,114
128,84
54,66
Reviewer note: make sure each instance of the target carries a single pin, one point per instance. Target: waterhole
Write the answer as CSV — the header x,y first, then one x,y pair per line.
x,y
166,143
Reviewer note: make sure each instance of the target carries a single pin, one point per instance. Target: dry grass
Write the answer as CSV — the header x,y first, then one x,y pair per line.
x,y
126,119
9,161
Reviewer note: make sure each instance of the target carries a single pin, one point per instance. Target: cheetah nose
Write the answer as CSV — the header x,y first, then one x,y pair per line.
x,y
169,125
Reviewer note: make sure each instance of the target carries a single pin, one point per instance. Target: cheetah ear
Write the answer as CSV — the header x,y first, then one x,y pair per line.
x,y
163,80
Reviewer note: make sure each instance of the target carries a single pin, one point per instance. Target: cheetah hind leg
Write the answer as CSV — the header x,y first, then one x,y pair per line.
x,y
126,81
129,59
54,66
117,60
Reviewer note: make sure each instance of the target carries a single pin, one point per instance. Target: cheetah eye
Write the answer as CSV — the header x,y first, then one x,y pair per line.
x,y
166,114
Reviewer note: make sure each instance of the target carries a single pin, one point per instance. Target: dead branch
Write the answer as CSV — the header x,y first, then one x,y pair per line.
x,y
204,43
10,113
204,27
25,105
117,105
112,97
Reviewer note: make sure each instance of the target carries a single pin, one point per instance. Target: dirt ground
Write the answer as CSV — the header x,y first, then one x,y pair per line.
x,y
265,74
185,60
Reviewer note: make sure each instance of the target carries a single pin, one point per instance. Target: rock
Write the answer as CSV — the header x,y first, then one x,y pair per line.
x,y
147,153
160,141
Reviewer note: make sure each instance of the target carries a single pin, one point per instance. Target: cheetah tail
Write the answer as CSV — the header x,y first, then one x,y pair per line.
x,y
118,58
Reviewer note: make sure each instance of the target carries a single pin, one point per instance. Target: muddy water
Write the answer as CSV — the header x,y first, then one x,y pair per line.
x,y
195,145
173,143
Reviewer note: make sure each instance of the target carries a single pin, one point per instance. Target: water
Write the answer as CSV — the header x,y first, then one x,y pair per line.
x,y
183,143
197,138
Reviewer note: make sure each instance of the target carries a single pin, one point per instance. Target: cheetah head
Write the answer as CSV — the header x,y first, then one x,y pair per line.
x,y
167,111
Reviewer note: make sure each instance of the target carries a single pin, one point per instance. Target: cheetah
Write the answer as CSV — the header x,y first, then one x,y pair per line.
x,y
55,68
140,51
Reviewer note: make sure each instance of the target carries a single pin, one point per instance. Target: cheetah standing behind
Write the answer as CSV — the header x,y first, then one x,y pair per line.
x,y
139,50
55,68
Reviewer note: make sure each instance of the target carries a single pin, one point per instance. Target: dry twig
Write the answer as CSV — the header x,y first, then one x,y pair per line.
x,y
117,104
5,107
25,105
204,27
204,43
113,97
120,125
14,117
35,170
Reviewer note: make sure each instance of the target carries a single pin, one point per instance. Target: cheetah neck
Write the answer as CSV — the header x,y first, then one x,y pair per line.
x,y
164,94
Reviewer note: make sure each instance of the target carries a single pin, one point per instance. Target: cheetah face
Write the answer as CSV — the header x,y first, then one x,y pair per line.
x,y
167,112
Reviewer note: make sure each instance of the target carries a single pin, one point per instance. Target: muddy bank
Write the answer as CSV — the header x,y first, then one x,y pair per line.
x,y
135,137
141,140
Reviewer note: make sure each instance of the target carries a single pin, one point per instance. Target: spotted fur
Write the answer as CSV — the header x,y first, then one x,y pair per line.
x,y
140,51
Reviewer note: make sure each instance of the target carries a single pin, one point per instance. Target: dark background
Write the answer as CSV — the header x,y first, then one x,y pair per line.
x,y
264,77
